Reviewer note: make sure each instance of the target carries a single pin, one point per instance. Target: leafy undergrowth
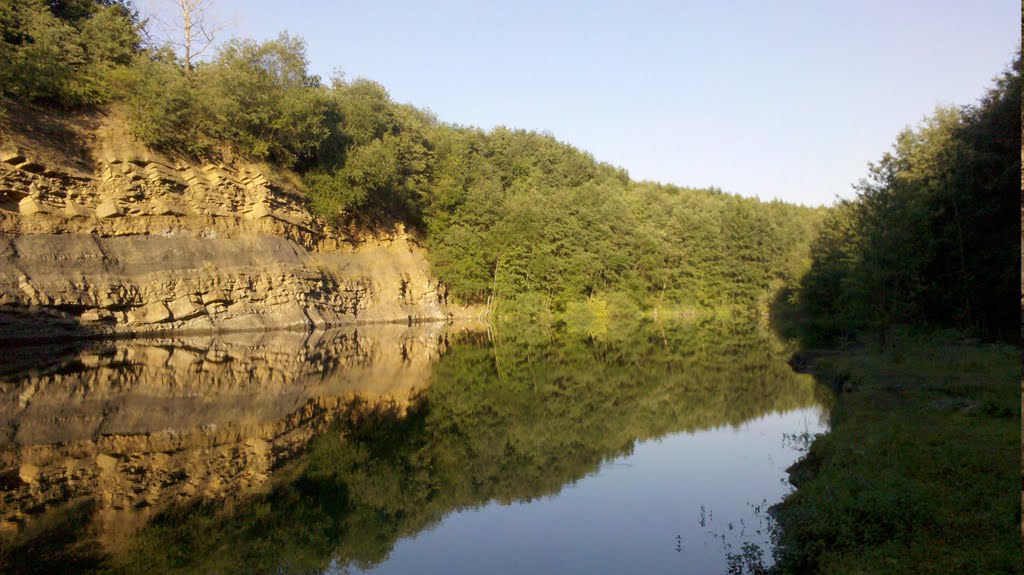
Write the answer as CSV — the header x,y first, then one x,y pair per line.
x,y
920,471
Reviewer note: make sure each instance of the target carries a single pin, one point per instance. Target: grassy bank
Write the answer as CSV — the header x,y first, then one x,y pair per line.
x,y
920,471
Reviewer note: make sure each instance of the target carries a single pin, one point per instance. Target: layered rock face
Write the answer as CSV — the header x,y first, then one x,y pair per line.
x,y
123,240
100,236
132,426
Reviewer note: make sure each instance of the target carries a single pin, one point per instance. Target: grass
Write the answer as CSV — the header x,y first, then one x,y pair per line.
x,y
920,471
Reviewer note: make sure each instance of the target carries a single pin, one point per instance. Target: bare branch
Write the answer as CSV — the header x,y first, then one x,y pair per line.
x,y
189,28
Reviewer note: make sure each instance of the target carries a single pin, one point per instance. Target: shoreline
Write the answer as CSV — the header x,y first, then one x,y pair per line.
x,y
919,469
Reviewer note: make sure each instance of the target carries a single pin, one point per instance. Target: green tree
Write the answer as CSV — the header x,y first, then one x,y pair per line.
x,y
64,52
930,240
266,102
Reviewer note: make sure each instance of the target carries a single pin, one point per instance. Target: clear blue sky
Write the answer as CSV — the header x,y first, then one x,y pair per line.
x,y
776,99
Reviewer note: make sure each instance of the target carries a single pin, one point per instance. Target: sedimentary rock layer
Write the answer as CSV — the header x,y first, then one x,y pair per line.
x,y
143,244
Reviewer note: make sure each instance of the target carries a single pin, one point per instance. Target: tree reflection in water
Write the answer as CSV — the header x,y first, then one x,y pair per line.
x,y
506,417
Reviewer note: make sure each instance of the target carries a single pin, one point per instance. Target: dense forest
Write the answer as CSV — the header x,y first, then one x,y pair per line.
x,y
519,217
920,469
931,238
507,215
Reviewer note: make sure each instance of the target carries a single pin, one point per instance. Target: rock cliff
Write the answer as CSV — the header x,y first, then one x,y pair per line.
x,y
100,235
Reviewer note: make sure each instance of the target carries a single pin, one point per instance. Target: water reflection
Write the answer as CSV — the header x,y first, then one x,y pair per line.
x,y
180,455
111,433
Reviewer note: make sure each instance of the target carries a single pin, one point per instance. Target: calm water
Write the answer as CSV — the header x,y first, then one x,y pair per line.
x,y
391,449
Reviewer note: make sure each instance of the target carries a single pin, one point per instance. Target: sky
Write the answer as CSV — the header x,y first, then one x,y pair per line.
x,y
782,99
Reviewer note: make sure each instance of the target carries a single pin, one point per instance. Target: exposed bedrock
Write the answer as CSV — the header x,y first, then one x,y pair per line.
x,y
147,246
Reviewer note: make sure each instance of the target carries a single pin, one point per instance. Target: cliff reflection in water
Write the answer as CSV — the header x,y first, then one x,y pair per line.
x,y
504,417
112,433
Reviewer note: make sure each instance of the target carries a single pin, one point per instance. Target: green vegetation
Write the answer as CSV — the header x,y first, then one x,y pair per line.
x,y
931,239
920,471
65,52
255,98
562,228
509,216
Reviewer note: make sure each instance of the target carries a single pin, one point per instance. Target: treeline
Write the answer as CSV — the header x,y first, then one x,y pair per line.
x,y
519,216
510,216
932,237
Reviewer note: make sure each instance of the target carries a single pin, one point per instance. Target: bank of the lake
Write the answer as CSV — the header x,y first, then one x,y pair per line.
x,y
919,471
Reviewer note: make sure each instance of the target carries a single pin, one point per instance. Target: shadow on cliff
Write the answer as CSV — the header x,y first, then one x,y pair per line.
x,y
45,549
52,135
381,221
38,341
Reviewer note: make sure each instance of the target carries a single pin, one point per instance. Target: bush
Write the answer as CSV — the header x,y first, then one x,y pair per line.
x,y
256,97
164,109
265,101
52,53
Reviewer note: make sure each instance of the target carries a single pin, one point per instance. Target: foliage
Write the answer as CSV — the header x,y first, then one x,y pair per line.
x,y
165,109
377,159
510,212
508,235
931,238
64,52
920,471
255,97
504,213
265,101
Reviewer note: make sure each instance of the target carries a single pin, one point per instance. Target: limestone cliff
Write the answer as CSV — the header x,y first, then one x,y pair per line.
x,y
100,235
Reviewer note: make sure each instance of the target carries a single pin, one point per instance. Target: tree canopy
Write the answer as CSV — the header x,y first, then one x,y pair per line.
x,y
931,238
64,51
505,213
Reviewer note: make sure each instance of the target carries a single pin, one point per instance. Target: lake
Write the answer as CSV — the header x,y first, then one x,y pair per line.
x,y
425,448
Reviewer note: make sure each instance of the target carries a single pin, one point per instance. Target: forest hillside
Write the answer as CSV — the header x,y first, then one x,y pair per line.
x,y
508,217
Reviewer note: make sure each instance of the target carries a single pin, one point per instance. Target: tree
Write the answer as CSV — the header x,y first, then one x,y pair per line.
x,y
930,239
63,52
192,30
264,99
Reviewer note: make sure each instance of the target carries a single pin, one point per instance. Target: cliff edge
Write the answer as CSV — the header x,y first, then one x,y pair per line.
x,y
100,235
